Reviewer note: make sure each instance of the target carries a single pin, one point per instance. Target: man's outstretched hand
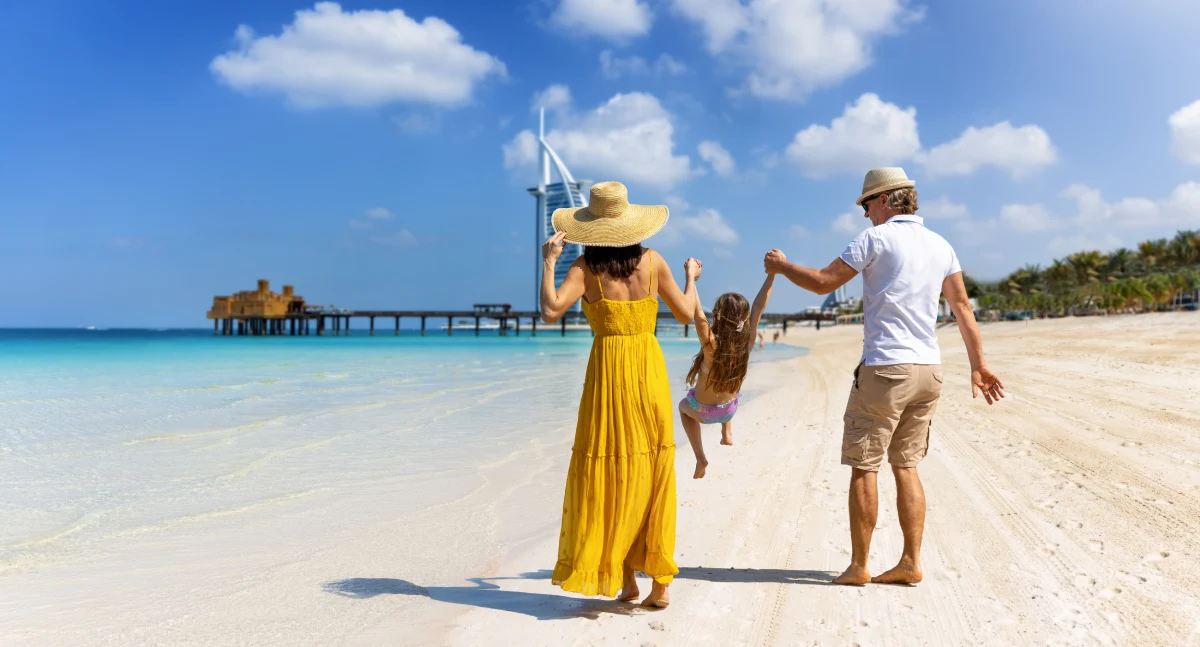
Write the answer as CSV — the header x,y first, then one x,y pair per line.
x,y
775,262
983,380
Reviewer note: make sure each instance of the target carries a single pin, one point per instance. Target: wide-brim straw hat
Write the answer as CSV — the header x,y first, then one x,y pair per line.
x,y
879,180
609,220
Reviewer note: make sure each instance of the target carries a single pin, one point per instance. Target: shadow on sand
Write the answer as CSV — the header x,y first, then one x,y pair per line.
x,y
546,606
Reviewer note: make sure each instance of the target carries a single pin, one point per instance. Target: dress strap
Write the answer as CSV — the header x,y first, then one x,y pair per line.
x,y
600,284
650,254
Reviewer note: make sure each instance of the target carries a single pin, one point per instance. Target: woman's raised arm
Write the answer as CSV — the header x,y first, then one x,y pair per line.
x,y
682,304
554,303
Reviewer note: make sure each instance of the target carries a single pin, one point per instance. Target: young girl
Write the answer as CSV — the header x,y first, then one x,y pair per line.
x,y
720,366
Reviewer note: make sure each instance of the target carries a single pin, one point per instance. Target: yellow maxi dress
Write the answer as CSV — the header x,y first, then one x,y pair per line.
x,y
619,505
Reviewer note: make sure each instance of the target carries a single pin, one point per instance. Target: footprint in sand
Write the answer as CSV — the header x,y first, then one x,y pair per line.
x,y
1049,549
1096,546
1131,578
1110,593
952,574
1121,485
1155,557
1084,582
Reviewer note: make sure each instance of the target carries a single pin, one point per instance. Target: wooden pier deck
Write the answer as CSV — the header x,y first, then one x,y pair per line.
x,y
338,323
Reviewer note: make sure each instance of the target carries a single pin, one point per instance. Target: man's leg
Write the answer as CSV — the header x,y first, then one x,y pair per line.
x,y
864,511
910,505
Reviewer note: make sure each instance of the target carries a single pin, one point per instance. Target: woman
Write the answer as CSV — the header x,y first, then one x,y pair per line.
x,y
619,506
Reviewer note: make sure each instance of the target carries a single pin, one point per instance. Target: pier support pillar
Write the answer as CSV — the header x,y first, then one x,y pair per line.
x,y
564,326
518,331
449,326
422,326
347,333
397,325
215,322
372,325
785,326
533,325
685,330
320,326
476,326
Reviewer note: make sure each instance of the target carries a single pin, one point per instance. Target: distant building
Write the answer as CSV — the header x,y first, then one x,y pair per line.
x,y
258,303
838,299
565,193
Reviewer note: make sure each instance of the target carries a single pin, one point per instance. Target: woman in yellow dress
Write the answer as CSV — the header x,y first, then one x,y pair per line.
x,y
619,505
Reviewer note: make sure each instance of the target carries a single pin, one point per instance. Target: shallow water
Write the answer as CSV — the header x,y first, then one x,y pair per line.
x,y
110,436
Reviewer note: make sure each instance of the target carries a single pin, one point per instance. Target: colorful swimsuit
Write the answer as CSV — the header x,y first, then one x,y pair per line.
x,y
712,414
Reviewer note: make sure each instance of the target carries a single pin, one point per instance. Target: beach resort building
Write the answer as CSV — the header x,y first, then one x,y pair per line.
x,y
261,302
567,192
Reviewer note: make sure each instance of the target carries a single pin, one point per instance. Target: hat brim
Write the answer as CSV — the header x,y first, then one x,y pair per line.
x,y
637,223
887,186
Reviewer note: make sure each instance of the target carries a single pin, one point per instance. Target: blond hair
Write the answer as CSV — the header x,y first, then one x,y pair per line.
x,y
902,201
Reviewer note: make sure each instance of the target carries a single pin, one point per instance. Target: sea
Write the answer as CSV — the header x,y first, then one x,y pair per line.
x,y
110,437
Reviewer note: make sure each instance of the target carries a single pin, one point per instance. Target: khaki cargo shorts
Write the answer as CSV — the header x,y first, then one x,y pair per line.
x,y
889,411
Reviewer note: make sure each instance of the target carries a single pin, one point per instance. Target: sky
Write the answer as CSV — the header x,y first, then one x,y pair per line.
x,y
376,155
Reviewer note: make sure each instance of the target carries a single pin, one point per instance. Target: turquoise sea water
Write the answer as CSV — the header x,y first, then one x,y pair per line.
x,y
106,435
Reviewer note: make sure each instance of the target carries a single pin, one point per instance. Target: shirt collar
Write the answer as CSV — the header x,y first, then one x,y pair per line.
x,y
907,217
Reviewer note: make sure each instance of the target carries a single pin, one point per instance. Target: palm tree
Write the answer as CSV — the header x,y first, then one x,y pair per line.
x,y
1153,253
1160,289
1120,264
1184,248
1087,266
1059,277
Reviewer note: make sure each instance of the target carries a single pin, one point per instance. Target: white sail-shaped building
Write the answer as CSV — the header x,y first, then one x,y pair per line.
x,y
566,192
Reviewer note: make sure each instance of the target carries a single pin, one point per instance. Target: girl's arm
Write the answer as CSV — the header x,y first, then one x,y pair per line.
x,y
760,304
703,328
554,303
682,304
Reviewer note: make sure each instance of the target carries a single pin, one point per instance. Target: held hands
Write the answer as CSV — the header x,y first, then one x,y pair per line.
x,y
775,262
553,248
988,382
692,268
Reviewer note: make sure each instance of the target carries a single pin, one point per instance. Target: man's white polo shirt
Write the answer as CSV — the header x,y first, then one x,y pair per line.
x,y
903,265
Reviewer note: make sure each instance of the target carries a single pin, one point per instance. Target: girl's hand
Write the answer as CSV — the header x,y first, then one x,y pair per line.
x,y
692,268
553,248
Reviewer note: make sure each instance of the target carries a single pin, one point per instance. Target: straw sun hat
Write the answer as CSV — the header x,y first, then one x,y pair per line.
x,y
879,180
609,220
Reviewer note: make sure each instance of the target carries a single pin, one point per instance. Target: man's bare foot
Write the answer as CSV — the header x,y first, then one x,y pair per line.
x,y
904,573
629,587
854,576
726,437
659,597
700,467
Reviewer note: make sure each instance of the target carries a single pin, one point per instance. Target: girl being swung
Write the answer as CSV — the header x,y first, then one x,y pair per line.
x,y
720,366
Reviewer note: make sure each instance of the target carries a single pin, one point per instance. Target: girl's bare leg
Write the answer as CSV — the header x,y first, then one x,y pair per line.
x,y
727,433
692,426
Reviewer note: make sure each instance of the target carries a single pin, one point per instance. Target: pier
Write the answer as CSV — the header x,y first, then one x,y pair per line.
x,y
262,313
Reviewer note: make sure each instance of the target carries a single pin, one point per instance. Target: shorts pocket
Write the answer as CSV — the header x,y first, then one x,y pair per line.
x,y
856,438
894,373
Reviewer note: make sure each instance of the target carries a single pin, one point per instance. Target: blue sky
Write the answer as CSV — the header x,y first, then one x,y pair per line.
x,y
154,154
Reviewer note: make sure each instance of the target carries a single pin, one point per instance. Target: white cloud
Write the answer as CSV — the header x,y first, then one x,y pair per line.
x,y
629,138
379,213
870,133
794,47
707,225
417,124
1185,133
1079,243
613,67
399,238
556,97
614,19
717,157
1027,217
851,223
1093,211
357,58
1018,150
1183,206
798,232
943,209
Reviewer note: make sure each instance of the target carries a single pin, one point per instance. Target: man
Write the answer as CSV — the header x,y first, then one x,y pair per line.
x,y
899,378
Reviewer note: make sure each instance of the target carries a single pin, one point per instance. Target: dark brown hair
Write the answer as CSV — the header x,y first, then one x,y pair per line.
x,y
617,262
732,353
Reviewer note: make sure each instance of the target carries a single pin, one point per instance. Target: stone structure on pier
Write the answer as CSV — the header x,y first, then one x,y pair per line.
x,y
260,303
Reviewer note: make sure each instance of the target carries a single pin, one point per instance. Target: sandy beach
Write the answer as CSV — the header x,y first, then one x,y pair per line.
x,y
1065,515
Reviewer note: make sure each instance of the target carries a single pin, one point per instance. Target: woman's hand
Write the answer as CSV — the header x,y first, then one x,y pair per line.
x,y
692,268
553,248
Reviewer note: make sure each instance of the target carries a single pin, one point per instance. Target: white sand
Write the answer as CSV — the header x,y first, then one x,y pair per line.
x,y
1066,515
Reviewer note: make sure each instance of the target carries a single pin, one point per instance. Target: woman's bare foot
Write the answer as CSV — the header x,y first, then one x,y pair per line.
x,y
904,573
726,434
659,597
629,587
700,467
854,576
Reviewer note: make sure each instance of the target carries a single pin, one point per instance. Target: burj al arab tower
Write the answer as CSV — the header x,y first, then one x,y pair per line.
x,y
566,192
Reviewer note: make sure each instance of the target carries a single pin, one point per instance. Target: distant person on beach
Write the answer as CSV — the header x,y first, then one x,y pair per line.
x,y
720,367
619,505
898,381
775,339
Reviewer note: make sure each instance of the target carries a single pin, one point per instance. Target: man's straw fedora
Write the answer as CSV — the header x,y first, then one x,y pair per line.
x,y
609,220
879,180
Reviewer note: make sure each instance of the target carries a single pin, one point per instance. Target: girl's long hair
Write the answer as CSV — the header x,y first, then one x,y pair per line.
x,y
732,354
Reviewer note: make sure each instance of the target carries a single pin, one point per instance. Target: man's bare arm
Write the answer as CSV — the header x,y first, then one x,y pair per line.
x,y
834,276
982,379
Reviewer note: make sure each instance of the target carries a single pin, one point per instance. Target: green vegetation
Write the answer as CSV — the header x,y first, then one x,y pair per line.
x,y
1159,275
